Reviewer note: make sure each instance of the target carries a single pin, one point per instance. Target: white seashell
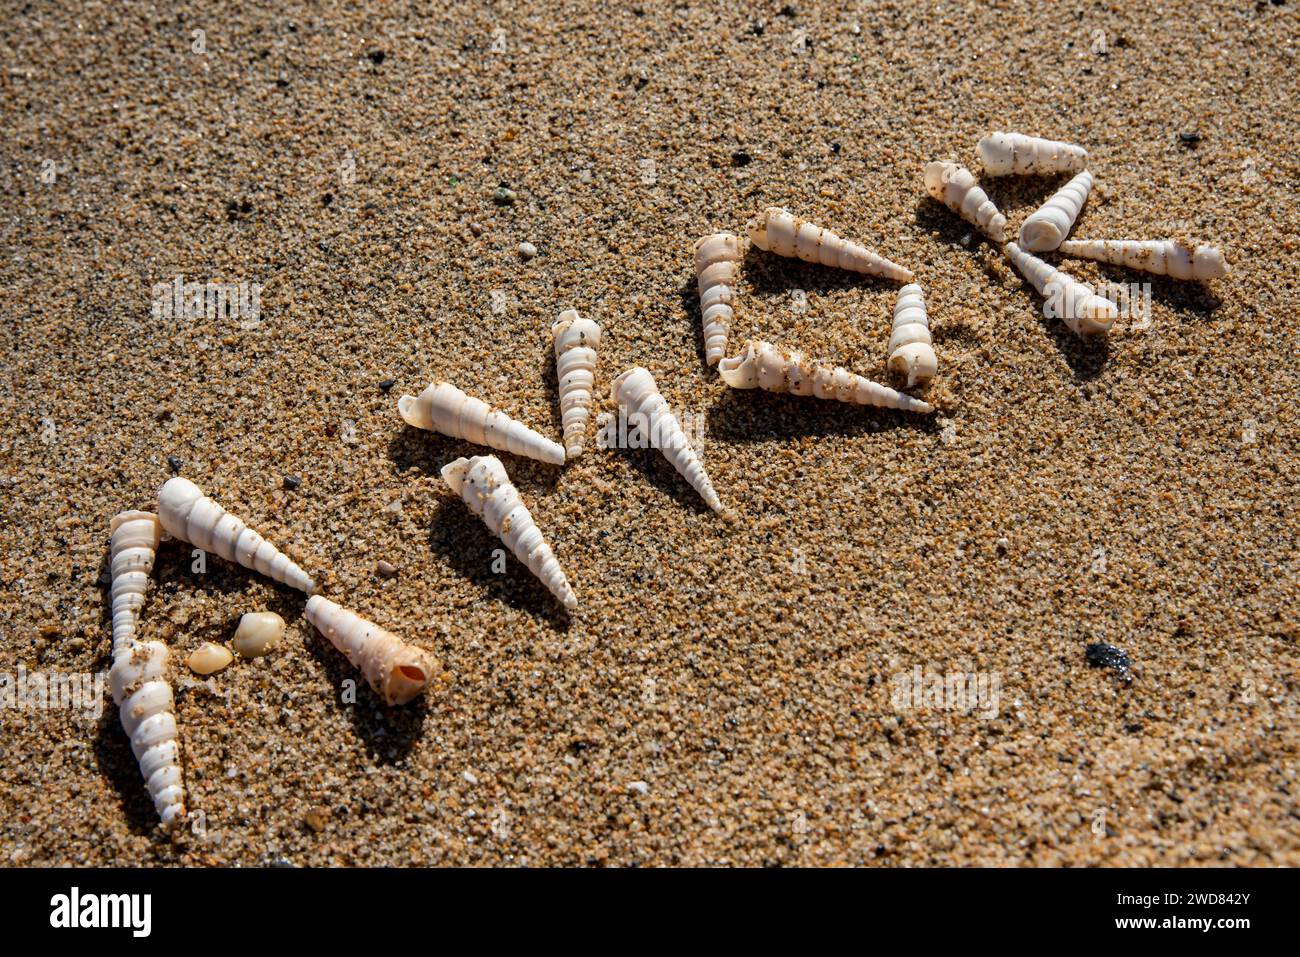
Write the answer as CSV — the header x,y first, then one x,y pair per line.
x,y
1006,153
955,187
636,391
395,670
484,486
717,263
1046,227
135,537
186,513
444,408
780,232
145,705
910,350
259,633
208,659
1162,257
1069,300
576,340
762,365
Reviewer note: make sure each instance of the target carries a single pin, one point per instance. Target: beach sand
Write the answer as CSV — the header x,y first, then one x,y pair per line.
x,y
727,691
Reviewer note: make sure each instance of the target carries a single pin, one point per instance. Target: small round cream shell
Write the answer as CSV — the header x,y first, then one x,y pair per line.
x,y
259,633
208,659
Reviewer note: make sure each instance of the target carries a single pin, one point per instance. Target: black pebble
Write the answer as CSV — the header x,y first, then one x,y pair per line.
x,y
835,147
327,199
1190,139
174,463
376,56
291,482
741,158
1101,655
386,385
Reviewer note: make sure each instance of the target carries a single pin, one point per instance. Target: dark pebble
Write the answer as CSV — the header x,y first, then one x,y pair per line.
x,y
1190,139
376,56
788,11
291,482
835,147
1102,655
174,463
741,158
386,385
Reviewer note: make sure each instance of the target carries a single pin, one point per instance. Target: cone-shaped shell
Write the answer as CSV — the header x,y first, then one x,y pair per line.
x,y
186,513
576,341
780,232
444,408
955,187
910,350
717,263
139,686
1003,154
1074,303
761,365
483,485
1046,227
395,670
1161,257
636,391
134,541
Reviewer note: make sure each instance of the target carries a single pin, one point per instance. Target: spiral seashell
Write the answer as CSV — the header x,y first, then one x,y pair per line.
x,y
910,350
1047,226
762,365
576,340
444,408
1073,302
186,513
484,486
955,187
1162,257
636,391
1006,153
395,670
780,232
717,263
145,704
134,540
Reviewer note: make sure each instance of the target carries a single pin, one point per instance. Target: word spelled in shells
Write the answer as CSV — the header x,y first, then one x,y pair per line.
x,y
635,390
444,408
1073,302
395,670
1003,154
1162,257
761,365
186,513
484,486
780,232
576,340
717,263
911,352
955,187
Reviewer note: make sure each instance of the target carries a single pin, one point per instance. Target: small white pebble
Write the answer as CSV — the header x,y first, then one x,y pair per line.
x,y
527,250
208,659
259,633
640,787
469,776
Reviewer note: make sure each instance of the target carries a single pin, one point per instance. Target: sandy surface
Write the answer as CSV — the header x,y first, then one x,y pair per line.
x,y
723,693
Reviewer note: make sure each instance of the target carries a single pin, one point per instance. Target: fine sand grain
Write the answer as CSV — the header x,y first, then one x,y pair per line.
x,y
724,692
